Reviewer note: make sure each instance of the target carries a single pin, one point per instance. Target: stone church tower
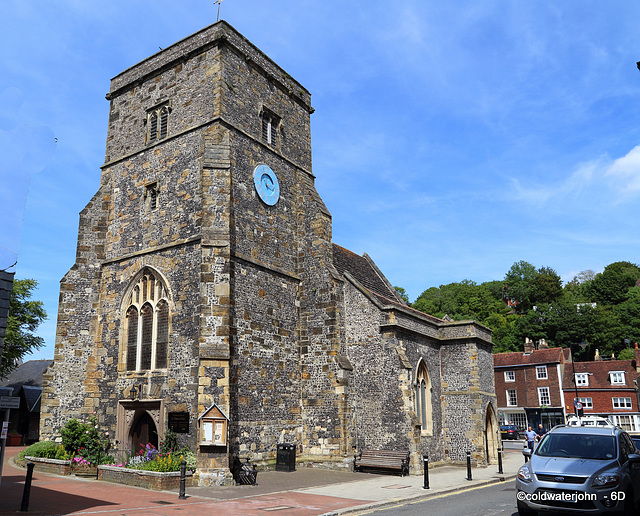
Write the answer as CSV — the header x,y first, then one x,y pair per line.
x,y
207,295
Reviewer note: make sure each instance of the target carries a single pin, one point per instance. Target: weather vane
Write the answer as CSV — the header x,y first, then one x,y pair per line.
x,y
218,2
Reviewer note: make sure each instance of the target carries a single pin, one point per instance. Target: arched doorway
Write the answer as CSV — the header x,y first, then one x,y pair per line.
x,y
491,435
143,431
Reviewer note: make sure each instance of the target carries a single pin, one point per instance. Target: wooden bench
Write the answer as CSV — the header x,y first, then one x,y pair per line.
x,y
382,459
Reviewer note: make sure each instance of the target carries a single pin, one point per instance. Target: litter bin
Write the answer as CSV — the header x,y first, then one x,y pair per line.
x,y
286,457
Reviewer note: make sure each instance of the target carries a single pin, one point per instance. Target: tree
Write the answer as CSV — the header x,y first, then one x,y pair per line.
x,y
403,294
24,318
547,286
612,285
520,283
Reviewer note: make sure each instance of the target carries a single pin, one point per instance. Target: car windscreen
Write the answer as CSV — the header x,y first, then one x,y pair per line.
x,y
595,447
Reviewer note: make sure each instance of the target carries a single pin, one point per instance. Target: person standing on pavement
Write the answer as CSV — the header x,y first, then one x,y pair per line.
x,y
541,431
530,436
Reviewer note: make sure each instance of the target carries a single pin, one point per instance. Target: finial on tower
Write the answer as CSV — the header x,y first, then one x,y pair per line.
x,y
218,2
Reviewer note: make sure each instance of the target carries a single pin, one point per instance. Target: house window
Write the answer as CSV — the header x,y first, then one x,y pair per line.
x,y
543,396
509,376
518,418
157,123
582,379
151,196
423,398
621,403
541,372
616,377
628,423
147,323
270,123
512,398
586,402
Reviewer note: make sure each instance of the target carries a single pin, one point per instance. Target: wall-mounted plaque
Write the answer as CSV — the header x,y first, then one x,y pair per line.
x,y
179,422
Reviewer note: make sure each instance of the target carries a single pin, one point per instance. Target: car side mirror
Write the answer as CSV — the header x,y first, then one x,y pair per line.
x,y
634,458
527,453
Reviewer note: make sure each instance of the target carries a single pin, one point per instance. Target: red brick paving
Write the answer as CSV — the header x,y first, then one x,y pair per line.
x,y
52,495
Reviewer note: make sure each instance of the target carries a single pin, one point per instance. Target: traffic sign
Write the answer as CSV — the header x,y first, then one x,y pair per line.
x,y
9,402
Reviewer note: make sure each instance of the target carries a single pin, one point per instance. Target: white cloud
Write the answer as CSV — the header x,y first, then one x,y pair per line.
x,y
625,174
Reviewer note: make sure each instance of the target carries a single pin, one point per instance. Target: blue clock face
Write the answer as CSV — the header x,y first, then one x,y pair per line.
x,y
266,184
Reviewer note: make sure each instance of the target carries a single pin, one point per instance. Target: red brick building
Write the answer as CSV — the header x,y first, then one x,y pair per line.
x,y
529,385
606,388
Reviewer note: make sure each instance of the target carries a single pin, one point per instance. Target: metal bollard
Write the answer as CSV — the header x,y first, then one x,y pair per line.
x,y
425,458
469,466
500,461
183,480
24,507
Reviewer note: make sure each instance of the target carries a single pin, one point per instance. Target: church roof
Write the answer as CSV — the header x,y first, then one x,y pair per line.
x,y
364,271
29,374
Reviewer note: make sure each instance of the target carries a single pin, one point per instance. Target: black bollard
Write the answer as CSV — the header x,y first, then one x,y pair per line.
x,y
500,461
24,507
425,457
469,466
183,480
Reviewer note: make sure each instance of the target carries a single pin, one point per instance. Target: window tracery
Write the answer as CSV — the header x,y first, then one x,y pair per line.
x,y
147,323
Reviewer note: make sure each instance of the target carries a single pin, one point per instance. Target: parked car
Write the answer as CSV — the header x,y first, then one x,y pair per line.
x,y
581,470
509,432
589,421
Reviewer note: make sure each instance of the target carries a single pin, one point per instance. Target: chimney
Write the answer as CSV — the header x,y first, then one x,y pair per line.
x,y
542,344
528,346
597,357
636,354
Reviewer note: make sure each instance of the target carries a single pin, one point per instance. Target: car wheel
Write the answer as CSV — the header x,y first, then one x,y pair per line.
x,y
523,510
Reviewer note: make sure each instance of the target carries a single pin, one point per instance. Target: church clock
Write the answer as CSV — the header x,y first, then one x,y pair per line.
x,y
266,183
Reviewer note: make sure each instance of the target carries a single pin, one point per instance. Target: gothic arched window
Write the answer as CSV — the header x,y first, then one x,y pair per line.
x,y
423,398
147,323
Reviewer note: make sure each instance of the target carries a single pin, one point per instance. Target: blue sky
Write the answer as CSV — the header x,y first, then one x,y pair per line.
x,y
450,139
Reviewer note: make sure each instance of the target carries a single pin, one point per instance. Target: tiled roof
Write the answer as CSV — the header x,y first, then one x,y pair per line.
x,y
29,373
599,374
362,270
538,356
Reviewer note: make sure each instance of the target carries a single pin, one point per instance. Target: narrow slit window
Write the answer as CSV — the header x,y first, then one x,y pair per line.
x,y
151,196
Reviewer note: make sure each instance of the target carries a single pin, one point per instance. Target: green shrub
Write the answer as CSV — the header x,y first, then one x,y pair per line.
x,y
170,442
84,439
45,450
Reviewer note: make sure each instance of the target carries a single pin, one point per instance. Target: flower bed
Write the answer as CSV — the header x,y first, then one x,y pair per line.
x,y
158,481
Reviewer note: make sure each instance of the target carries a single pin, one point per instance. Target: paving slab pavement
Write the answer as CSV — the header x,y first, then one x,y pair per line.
x,y
306,491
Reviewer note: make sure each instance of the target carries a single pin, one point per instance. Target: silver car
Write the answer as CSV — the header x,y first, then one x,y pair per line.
x,y
584,470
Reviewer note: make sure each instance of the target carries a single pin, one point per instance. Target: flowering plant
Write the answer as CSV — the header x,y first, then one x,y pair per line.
x,y
84,439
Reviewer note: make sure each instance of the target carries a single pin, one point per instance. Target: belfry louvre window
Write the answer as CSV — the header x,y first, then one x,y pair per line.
x,y
157,123
423,398
147,323
270,123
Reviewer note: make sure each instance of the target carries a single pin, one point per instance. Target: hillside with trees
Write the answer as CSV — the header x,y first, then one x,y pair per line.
x,y
601,309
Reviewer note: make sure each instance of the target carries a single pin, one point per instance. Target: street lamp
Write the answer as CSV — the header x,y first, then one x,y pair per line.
x,y
582,345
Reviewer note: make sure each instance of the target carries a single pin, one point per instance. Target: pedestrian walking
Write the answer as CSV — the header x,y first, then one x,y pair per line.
x,y
530,436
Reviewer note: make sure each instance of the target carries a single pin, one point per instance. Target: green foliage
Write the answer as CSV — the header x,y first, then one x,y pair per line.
x,y
23,320
611,286
84,439
44,449
170,442
600,309
403,294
